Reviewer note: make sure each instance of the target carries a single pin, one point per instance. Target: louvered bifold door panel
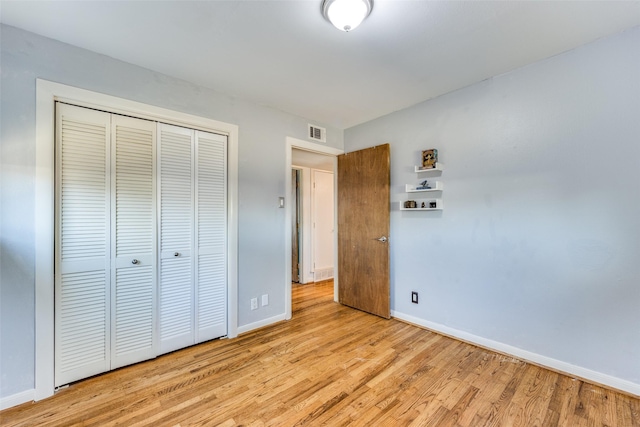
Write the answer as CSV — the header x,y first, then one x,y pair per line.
x,y
133,290
81,244
211,235
176,206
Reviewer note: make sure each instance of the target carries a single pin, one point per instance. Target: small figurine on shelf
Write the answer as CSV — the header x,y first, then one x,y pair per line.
x,y
433,204
429,159
422,205
424,185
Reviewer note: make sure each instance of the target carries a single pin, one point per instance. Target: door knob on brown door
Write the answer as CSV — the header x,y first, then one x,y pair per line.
x,y
382,239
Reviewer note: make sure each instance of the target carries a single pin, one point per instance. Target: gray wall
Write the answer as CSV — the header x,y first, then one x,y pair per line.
x,y
25,57
538,246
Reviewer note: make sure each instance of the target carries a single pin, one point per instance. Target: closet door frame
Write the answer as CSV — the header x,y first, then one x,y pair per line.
x,y
47,93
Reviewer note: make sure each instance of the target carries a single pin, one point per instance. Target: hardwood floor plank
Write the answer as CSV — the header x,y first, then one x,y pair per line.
x,y
493,413
532,397
453,415
624,412
490,377
335,366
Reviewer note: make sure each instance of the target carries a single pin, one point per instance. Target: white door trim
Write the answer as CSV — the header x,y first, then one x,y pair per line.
x,y
290,144
46,95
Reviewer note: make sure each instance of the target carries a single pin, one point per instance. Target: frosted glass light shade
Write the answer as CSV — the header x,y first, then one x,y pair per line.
x,y
346,15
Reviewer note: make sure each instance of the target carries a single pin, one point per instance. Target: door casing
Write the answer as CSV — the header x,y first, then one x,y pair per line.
x,y
290,144
47,93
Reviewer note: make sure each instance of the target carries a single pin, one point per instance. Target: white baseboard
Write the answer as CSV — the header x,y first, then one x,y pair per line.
x,y
538,359
321,274
17,399
261,323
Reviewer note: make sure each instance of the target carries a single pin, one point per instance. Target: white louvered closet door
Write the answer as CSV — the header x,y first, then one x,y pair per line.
x,y
82,242
133,253
211,236
123,292
176,287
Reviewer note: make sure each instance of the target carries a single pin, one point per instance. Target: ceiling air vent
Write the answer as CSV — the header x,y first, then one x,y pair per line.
x,y
317,133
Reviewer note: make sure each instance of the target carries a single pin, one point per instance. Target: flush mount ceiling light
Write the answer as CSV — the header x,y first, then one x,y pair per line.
x,y
346,15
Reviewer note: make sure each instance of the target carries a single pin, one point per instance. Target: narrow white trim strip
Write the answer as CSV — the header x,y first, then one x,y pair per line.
x,y
17,399
261,323
527,356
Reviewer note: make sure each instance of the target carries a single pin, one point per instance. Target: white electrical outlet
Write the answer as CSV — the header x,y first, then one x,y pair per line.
x,y
254,303
265,300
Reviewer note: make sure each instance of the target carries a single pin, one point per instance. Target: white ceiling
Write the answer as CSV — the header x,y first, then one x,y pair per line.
x,y
283,54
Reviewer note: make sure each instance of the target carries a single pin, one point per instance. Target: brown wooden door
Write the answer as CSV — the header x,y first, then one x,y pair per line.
x,y
363,220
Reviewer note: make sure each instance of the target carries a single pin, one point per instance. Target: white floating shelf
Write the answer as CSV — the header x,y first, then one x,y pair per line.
x,y
438,207
412,188
439,168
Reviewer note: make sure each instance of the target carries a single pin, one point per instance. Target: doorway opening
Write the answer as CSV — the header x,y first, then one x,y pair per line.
x,y
311,232
312,217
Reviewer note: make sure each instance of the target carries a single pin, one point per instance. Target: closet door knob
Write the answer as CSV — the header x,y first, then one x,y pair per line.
x,y
135,261
176,254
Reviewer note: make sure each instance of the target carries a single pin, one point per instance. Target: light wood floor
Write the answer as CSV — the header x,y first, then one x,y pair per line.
x,y
335,366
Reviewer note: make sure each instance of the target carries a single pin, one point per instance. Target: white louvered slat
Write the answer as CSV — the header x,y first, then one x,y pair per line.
x,y
82,244
82,325
211,214
176,237
82,187
134,310
176,304
176,188
133,209
134,187
212,293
